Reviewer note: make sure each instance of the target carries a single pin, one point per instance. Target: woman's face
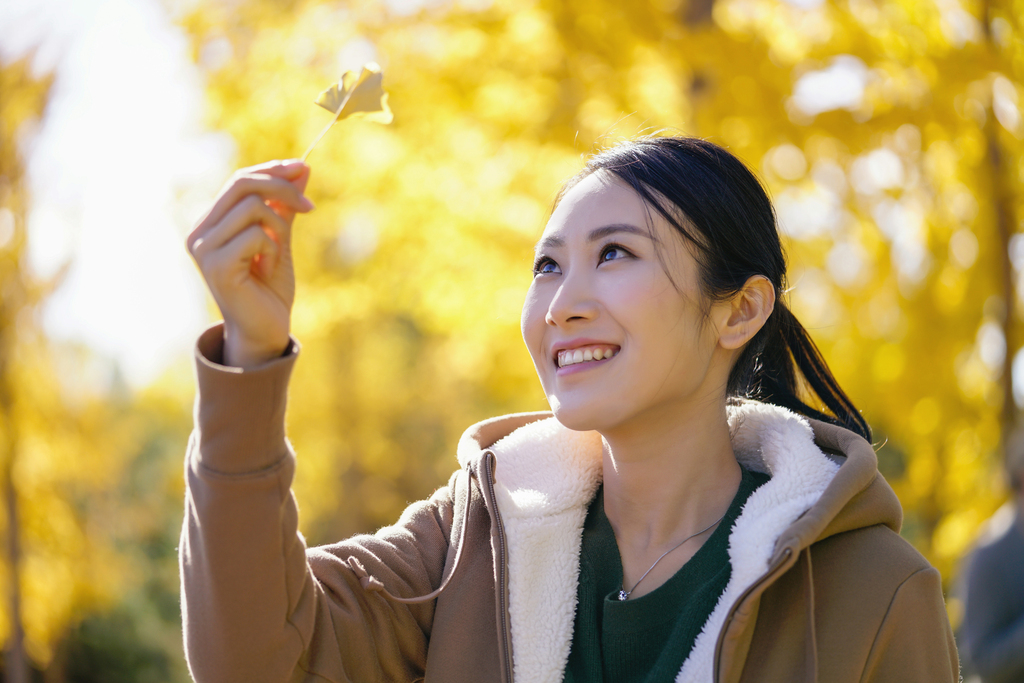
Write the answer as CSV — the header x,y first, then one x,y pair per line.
x,y
612,336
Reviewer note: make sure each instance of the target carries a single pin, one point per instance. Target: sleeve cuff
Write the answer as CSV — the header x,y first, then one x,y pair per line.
x,y
239,413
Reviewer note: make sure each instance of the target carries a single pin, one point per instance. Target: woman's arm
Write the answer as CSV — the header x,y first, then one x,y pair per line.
x,y
255,607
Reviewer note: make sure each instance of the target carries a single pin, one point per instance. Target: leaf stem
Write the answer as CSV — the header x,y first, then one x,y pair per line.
x,y
341,106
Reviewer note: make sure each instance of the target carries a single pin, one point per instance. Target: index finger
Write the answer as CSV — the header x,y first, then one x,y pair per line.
x,y
286,168
267,186
295,171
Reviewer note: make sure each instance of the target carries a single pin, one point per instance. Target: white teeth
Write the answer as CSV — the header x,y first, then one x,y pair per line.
x,y
582,356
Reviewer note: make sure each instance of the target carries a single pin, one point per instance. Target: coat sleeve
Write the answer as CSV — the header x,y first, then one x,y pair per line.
x,y
256,605
914,643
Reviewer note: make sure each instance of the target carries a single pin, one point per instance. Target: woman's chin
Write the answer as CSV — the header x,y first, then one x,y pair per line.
x,y
581,418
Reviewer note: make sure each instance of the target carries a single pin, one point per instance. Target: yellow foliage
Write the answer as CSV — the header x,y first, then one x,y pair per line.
x,y
413,267
66,451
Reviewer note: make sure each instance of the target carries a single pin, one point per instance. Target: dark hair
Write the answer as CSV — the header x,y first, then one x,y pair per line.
x,y
720,207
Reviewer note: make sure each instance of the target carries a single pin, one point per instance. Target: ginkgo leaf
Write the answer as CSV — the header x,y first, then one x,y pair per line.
x,y
359,95
362,95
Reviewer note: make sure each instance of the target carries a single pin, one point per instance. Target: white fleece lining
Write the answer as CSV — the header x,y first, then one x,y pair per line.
x,y
781,443
547,475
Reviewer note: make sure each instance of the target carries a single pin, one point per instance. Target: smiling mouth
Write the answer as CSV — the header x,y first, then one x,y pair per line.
x,y
585,354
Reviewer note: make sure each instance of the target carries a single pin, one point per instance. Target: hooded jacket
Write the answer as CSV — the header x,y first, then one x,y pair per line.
x,y
478,583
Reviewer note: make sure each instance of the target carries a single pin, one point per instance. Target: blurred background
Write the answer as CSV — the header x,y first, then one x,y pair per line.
x,y
888,132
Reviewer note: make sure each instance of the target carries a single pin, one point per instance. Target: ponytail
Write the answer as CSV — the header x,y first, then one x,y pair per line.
x,y
771,370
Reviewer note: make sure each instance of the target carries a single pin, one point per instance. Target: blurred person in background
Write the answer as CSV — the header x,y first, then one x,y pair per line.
x,y
684,515
992,633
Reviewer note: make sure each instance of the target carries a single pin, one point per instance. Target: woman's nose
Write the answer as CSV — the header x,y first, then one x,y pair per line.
x,y
573,301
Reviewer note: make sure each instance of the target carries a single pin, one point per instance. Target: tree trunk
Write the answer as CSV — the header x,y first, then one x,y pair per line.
x,y
696,12
15,662
1003,207
12,299
1004,229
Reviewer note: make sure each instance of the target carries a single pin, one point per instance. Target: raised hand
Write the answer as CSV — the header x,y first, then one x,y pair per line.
x,y
243,249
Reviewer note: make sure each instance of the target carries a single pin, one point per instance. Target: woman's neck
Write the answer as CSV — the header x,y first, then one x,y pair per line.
x,y
668,476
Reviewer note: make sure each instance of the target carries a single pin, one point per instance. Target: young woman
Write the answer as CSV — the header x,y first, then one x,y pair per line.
x,y
684,515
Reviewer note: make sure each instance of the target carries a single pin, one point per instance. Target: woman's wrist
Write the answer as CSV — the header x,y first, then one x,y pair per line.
x,y
240,352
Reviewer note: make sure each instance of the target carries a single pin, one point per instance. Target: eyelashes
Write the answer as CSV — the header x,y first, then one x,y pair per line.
x,y
614,247
541,264
545,265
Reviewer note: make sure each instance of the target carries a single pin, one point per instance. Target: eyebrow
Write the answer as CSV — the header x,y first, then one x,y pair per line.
x,y
597,234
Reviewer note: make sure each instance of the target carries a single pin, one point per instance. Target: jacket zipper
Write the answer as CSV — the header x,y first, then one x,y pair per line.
x,y
502,578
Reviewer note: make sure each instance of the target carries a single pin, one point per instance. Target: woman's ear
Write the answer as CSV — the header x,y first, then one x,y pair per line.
x,y
746,312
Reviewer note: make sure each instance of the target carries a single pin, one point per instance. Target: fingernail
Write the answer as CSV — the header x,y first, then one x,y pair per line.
x,y
293,163
306,204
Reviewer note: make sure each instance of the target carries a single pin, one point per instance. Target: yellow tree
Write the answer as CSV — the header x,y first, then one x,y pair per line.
x,y
870,122
70,452
899,204
21,100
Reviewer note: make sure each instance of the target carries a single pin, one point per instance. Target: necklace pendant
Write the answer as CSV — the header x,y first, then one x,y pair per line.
x,y
623,595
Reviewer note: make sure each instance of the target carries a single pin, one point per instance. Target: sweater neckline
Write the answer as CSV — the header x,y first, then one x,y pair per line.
x,y
649,637
712,556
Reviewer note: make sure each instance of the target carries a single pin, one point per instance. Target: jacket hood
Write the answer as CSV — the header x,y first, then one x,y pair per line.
x,y
855,496
824,481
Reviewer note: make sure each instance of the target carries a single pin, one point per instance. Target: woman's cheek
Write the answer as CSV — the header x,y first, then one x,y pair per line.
x,y
532,325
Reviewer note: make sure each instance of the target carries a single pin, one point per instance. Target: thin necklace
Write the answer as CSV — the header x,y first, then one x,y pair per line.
x,y
624,594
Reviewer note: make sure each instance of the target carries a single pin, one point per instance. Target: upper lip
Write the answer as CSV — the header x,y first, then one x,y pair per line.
x,y
577,343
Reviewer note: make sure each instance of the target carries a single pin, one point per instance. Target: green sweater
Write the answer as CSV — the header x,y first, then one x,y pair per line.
x,y
645,639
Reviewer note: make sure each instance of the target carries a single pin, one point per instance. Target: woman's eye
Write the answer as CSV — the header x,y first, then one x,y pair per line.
x,y
545,266
613,252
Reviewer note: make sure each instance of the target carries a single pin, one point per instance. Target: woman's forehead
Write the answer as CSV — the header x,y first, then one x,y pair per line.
x,y
597,200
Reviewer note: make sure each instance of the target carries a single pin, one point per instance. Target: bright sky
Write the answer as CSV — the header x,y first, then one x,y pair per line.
x,y
118,173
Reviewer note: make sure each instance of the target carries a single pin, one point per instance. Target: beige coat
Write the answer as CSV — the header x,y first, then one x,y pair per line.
x,y
478,583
